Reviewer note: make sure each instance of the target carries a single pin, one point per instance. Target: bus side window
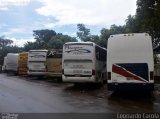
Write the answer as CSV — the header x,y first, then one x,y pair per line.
x,y
97,55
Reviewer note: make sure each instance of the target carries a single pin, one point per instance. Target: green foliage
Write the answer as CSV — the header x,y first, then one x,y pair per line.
x,y
114,29
48,39
105,33
31,46
5,42
131,25
83,33
42,37
57,41
148,17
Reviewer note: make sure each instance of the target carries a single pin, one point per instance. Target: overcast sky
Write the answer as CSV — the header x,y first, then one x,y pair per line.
x,y
18,18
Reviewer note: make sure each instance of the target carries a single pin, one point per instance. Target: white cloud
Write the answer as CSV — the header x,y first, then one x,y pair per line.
x,y
20,42
3,25
18,30
73,34
49,25
3,8
14,2
93,12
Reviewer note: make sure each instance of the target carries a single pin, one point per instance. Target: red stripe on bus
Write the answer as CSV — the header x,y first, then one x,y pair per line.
x,y
125,73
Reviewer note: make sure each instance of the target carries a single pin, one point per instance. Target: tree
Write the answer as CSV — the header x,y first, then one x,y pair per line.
x,y
132,25
83,33
31,46
43,36
4,41
57,41
148,17
48,39
114,29
105,34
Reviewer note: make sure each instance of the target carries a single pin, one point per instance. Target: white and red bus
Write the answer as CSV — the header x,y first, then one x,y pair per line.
x,y
130,64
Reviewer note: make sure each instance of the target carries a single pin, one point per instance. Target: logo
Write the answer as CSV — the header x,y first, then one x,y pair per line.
x,y
51,53
79,51
9,116
37,56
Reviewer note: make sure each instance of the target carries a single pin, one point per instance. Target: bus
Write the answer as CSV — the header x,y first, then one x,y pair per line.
x,y
83,62
22,63
12,63
54,63
4,64
37,62
130,64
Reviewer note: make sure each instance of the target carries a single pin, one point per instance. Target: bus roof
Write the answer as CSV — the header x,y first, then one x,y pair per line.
x,y
23,53
38,50
80,43
130,34
12,54
84,43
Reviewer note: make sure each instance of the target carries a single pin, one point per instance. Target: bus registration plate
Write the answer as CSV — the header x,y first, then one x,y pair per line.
x,y
77,71
36,66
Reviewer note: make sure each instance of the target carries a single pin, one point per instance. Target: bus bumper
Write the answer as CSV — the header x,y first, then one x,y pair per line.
x,y
130,86
11,71
50,74
79,79
36,73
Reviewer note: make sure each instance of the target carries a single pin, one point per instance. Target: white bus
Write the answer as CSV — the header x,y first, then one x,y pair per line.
x,y
37,62
83,62
12,63
130,62
4,64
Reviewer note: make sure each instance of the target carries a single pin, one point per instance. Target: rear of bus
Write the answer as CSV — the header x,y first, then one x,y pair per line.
x,y
4,64
130,62
54,63
22,63
78,62
37,62
12,63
